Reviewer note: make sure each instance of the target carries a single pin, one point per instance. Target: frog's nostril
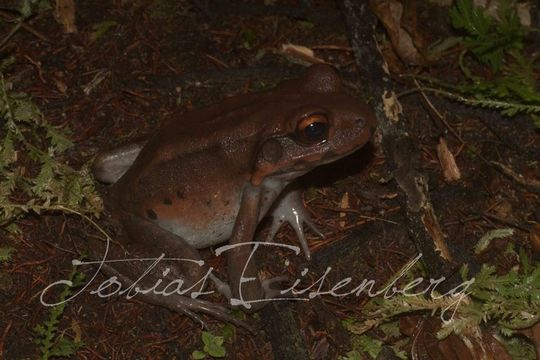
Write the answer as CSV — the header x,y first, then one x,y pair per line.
x,y
361,122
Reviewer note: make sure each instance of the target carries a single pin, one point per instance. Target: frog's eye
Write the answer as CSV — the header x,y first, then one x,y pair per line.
x,y
313,129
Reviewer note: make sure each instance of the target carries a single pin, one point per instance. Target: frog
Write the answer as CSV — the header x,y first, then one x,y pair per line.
x,y
211,176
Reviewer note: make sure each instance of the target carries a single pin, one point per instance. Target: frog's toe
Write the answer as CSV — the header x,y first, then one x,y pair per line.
x,y
270,290
307,220
291,209
221,286
279,219
192,308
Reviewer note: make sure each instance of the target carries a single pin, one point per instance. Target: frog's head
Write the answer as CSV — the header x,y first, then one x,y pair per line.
x,y
317,123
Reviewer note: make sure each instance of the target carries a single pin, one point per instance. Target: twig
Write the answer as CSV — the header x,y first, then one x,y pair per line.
x,y
505,221
437,112
3,339
493,104
25,26
354,211
520,179
332,47
11,33
37,64
161,342
217,61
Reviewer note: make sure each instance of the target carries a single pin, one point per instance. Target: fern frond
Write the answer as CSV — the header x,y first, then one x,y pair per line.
x,y
26,135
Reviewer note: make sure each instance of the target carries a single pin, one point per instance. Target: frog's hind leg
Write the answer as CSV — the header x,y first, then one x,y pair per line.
x,y
162,269
181,304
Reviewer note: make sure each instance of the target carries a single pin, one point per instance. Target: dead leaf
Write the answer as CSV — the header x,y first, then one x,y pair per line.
x,y
65,15
60,85
536,337
442,2
491,7
477,344
391,13
448,162
533,334
503,209
300,54
391,62
524,13
392,106
534,237
76,330
344,204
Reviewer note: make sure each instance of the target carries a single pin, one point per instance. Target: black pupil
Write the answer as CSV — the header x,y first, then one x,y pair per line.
x,y
316,130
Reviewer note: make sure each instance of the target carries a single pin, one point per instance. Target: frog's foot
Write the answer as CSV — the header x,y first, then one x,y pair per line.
x,y
290,208
185,305
270,291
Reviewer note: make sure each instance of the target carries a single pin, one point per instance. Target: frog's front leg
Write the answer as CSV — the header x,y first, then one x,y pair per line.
x,y
181,270
290,208
245,284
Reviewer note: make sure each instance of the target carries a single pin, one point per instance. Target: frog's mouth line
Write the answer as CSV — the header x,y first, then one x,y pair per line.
x,y
304,166
288,175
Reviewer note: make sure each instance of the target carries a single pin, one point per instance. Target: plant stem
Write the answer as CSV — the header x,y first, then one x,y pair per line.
x,y
11,33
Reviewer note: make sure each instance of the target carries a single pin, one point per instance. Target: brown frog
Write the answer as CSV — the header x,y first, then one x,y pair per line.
x,y
211,176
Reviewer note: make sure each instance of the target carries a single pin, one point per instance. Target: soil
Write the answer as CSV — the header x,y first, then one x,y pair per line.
x,y
161,58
